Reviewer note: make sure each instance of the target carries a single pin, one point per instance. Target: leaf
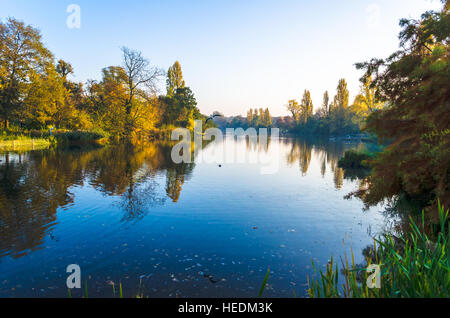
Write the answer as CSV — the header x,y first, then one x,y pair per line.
x,y
263,287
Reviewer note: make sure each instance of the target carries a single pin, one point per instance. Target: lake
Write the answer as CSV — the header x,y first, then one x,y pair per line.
x,y
130,215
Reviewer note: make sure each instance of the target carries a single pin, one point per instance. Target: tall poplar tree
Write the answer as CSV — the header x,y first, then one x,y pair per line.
x,y
306,106
174,79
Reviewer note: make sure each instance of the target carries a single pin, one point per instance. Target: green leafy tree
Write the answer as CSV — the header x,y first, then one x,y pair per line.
x,y
189,112
415,83
180,109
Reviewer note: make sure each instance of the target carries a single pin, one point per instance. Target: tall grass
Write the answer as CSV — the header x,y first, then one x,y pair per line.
x,y
414,265
264,284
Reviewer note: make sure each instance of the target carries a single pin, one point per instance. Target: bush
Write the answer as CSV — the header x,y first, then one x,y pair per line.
x,y
78,136
353,159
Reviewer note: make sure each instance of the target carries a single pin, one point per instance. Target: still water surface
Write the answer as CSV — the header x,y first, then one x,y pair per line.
x,y
131,215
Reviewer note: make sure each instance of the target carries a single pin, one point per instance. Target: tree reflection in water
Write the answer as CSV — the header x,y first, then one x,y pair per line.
x,y
35,185
329,154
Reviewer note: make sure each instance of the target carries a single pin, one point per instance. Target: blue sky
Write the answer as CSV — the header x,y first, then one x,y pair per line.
x,y
235,54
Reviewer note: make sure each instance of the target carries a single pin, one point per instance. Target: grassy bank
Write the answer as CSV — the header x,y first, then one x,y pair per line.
x,y
16,140
25,144
414,265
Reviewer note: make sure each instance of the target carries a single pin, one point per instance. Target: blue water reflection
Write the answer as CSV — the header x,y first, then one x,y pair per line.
x,y
130,215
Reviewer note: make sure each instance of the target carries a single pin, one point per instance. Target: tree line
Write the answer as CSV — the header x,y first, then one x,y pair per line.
x,y
404,101
36,93
333,117
259,118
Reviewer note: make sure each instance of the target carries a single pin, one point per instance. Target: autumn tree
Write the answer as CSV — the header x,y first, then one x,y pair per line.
x,y
366,101
64,68
250,117
261,118
295,109
414,82
23,58
268,118
255,117
306,107
323,111
105,100
340,114
174,79
46,101
72,113
342,94
140,82
37,93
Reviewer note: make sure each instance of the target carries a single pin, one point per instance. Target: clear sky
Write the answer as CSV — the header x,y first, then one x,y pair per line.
x,y
235,54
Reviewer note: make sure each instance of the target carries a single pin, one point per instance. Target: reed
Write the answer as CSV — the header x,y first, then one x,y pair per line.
x,y
414,265
264,284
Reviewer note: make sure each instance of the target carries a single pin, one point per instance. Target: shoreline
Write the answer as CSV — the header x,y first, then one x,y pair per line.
x,y
25,144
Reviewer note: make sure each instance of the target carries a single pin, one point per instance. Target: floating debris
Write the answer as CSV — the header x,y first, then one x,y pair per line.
x,y
210,278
